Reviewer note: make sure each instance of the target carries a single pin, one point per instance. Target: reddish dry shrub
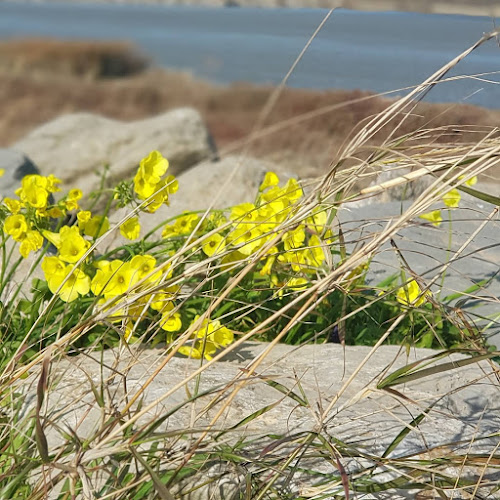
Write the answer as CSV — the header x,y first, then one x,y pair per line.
x,y
231,112
87,59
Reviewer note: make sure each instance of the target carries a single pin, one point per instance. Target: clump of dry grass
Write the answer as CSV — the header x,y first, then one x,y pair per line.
x,y
130,455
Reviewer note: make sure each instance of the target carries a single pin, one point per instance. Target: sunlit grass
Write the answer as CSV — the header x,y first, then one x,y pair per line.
x,y
104,348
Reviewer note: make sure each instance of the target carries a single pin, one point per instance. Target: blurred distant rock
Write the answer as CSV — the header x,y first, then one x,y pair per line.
x,y
77,147
16,166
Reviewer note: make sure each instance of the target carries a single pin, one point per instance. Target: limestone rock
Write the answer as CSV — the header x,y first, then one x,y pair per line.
x,y
77,147
16,166
427,251
465,402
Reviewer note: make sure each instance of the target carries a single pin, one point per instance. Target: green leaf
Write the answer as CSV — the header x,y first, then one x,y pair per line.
x,y
406,430
489,198
410,372
162,491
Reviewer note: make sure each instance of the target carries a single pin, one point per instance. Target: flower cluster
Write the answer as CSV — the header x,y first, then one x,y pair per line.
x,y
140,288
149,183
451,199
129,289
32,211
255,227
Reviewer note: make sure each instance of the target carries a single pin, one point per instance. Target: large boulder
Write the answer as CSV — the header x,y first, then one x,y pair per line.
x,y
461,403
77,147
16,166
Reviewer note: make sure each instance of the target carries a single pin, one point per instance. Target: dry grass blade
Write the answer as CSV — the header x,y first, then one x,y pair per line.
x,y
41,390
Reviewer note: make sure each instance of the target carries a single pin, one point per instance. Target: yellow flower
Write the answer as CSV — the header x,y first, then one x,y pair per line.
x,y
102,276
77,283
297,283
172,184
71,245
75,194
12,205
196,351
317,221
143,266
411,294
212,336
183,225
471,182
171,321
162,190
452,198
16,226
33,191
315,255
131,228
434,217
96,226
151,169
83,217
52,266
293,190
162,301
32,242
244,212
113,278
249,239
2,171
52,184
71,202
270,180
56,271
215,244
269,216
142,187
120,279
294,239
267,267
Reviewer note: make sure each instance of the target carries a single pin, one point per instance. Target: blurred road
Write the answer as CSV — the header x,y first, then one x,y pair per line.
x,y
378,51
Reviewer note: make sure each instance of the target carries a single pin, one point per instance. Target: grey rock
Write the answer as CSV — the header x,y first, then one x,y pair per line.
x,y
77,147
401,192
16,166
367,419
426,249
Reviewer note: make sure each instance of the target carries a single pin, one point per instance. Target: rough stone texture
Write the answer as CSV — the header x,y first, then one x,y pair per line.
x,y
74,147
405,191
426,249
466,401
16,166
